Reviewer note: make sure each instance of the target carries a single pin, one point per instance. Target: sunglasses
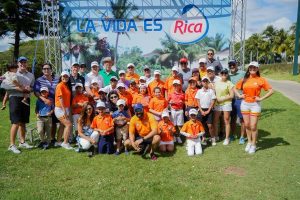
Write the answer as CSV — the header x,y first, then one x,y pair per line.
x,y
47,68
146,69
210,54
130,67
113,97
223,73
89,109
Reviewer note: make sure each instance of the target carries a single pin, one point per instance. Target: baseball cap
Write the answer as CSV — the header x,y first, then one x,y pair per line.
x,y
44,89
146,67
103,90
202,60
22,58
75,63
193,111
121,102
253,63
78,85
192,79
195,70
122,72
176,82
183,60
138,107
94,81
211,68
100,104
164,114
232,62
175,68
65,73
204,79
120,85
143,78
143,85
106,59
113,78
130,64
94,63
157,72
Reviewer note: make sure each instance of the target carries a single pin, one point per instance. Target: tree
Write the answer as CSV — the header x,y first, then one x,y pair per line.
x,y
19,16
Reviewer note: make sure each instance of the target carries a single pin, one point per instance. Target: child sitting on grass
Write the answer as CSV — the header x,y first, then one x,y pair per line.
x,y
166,130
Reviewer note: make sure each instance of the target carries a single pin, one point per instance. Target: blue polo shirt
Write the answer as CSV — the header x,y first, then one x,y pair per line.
x,y
120,113
42,109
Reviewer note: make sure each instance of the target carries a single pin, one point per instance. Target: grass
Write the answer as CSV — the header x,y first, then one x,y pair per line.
x,y
220,173
279,72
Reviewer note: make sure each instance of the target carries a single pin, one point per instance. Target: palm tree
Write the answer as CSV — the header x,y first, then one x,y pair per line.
x,y
121,9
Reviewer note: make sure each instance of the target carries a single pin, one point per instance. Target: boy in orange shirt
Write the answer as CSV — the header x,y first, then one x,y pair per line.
x,y
78,102
126,96
157,104
95,91
103,123
193,130
169,81
166,129
190,93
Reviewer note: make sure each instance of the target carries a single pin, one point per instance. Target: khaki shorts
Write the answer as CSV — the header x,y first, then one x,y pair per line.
x,y
122,132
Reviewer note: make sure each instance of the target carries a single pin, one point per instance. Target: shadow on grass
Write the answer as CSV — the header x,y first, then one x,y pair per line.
x,y
270,111
267,143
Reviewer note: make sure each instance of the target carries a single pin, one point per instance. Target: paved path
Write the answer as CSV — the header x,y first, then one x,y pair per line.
x,y
290,89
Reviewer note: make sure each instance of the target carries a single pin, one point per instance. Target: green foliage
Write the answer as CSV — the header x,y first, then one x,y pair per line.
x,y
279,72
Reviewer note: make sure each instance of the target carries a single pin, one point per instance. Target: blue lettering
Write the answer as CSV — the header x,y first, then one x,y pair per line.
x,y
131,25
79,29
121,25
146,25
106,27
157,23
90,25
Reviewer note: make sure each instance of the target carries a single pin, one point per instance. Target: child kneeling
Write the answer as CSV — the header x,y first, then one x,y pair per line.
x,y
166,129
193,130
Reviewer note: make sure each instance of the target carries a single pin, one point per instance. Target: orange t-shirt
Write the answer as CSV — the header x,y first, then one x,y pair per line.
x,y
78,98
134,91
95,92
169,84
252,87
103,123
177,100
144,126
193,128
134,76
158,104
153,84
64,92
166,131
127,97
144,100
190,99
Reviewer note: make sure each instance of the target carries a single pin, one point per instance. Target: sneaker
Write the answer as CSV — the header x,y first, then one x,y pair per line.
x,y
226,142
3,107
25,102
66,146
117,153
232,138
25,145
126,152
248,146
252,149
57,144
213,142
179,141
242,140
153,157
14,149
45,146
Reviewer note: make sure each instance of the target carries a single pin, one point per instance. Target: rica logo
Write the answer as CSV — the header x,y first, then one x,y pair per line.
x,y
185,31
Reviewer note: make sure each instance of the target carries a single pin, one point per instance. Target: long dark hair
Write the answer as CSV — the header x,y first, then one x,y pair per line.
x,y
84,116
111,93
247,74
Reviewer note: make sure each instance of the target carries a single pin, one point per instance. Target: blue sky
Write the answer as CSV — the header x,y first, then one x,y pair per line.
x,y
260,13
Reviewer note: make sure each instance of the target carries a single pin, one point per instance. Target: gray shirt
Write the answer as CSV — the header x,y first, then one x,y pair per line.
x,y
185,76
216,64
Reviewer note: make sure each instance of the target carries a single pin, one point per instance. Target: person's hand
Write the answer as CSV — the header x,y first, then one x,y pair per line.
x,y
49,114
92,141
258,99
186,113
139,141
48,102
137,148
202,112
241,96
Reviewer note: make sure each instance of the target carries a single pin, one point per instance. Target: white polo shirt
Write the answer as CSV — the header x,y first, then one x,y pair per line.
x,y
91,76
205,97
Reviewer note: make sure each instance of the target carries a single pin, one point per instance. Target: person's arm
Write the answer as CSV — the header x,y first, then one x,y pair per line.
x,y
80,133
268,94
61,101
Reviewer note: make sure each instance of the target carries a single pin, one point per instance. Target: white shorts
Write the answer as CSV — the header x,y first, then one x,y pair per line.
x,y
85,144
226,107
177,117
250,108
75,121
166,143
59,113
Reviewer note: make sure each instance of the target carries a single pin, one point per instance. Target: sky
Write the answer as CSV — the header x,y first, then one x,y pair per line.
x,y
260,14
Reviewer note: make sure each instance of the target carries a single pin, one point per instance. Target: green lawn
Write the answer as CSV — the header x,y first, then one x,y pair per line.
x,y
279,72
220,173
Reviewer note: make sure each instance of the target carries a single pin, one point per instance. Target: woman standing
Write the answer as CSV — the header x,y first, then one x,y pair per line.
x,y
142,97
251,86
62,109
224,94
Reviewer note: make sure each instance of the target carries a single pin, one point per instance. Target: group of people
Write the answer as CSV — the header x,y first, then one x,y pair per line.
x,y
110,112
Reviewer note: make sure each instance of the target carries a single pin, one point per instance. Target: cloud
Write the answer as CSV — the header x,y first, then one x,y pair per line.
x,y
280,23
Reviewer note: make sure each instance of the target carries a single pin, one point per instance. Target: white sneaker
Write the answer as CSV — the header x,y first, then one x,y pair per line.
x,y
252,149
248,146
25,145
57,144
213,142
226,142
66,146
179,141
14,149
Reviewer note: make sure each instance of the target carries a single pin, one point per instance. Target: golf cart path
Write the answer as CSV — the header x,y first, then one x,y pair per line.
x,y
290,89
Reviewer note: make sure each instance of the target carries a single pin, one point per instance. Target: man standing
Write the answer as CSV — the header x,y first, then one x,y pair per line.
x,y
147,74
157,82
211,61
185,73
143,132
131,73
107,71
93,75
75,77
19,112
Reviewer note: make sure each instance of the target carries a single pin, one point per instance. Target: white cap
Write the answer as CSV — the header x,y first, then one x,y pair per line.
x,y
75,63
94,63
143,78
130,64
78,84
202,60
103,90
121,85
44,89
65,73
122,72
121,102
211,68
100,104
113,77
102,35
157,72
94,81
193,111
176,82
143,85
253,63
165,114
175,68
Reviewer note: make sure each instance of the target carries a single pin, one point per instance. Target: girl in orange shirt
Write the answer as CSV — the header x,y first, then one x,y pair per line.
x,y
142,98
251,86
158,104
166,129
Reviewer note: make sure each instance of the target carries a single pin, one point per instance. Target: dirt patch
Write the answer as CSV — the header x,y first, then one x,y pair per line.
x,y
235,170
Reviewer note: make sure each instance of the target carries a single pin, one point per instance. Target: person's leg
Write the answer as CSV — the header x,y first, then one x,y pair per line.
x,y
5,98
163,148
13,133
48,127
66,129
253,127
84,144
216,122
60,132
95,136
22,130
170,147
41,128
198,148
118,138
155,143
190,147
127,144
226,115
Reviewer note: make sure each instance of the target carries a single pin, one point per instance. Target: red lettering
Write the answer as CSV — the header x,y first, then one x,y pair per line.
x,y
178,25
198,28
190,29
